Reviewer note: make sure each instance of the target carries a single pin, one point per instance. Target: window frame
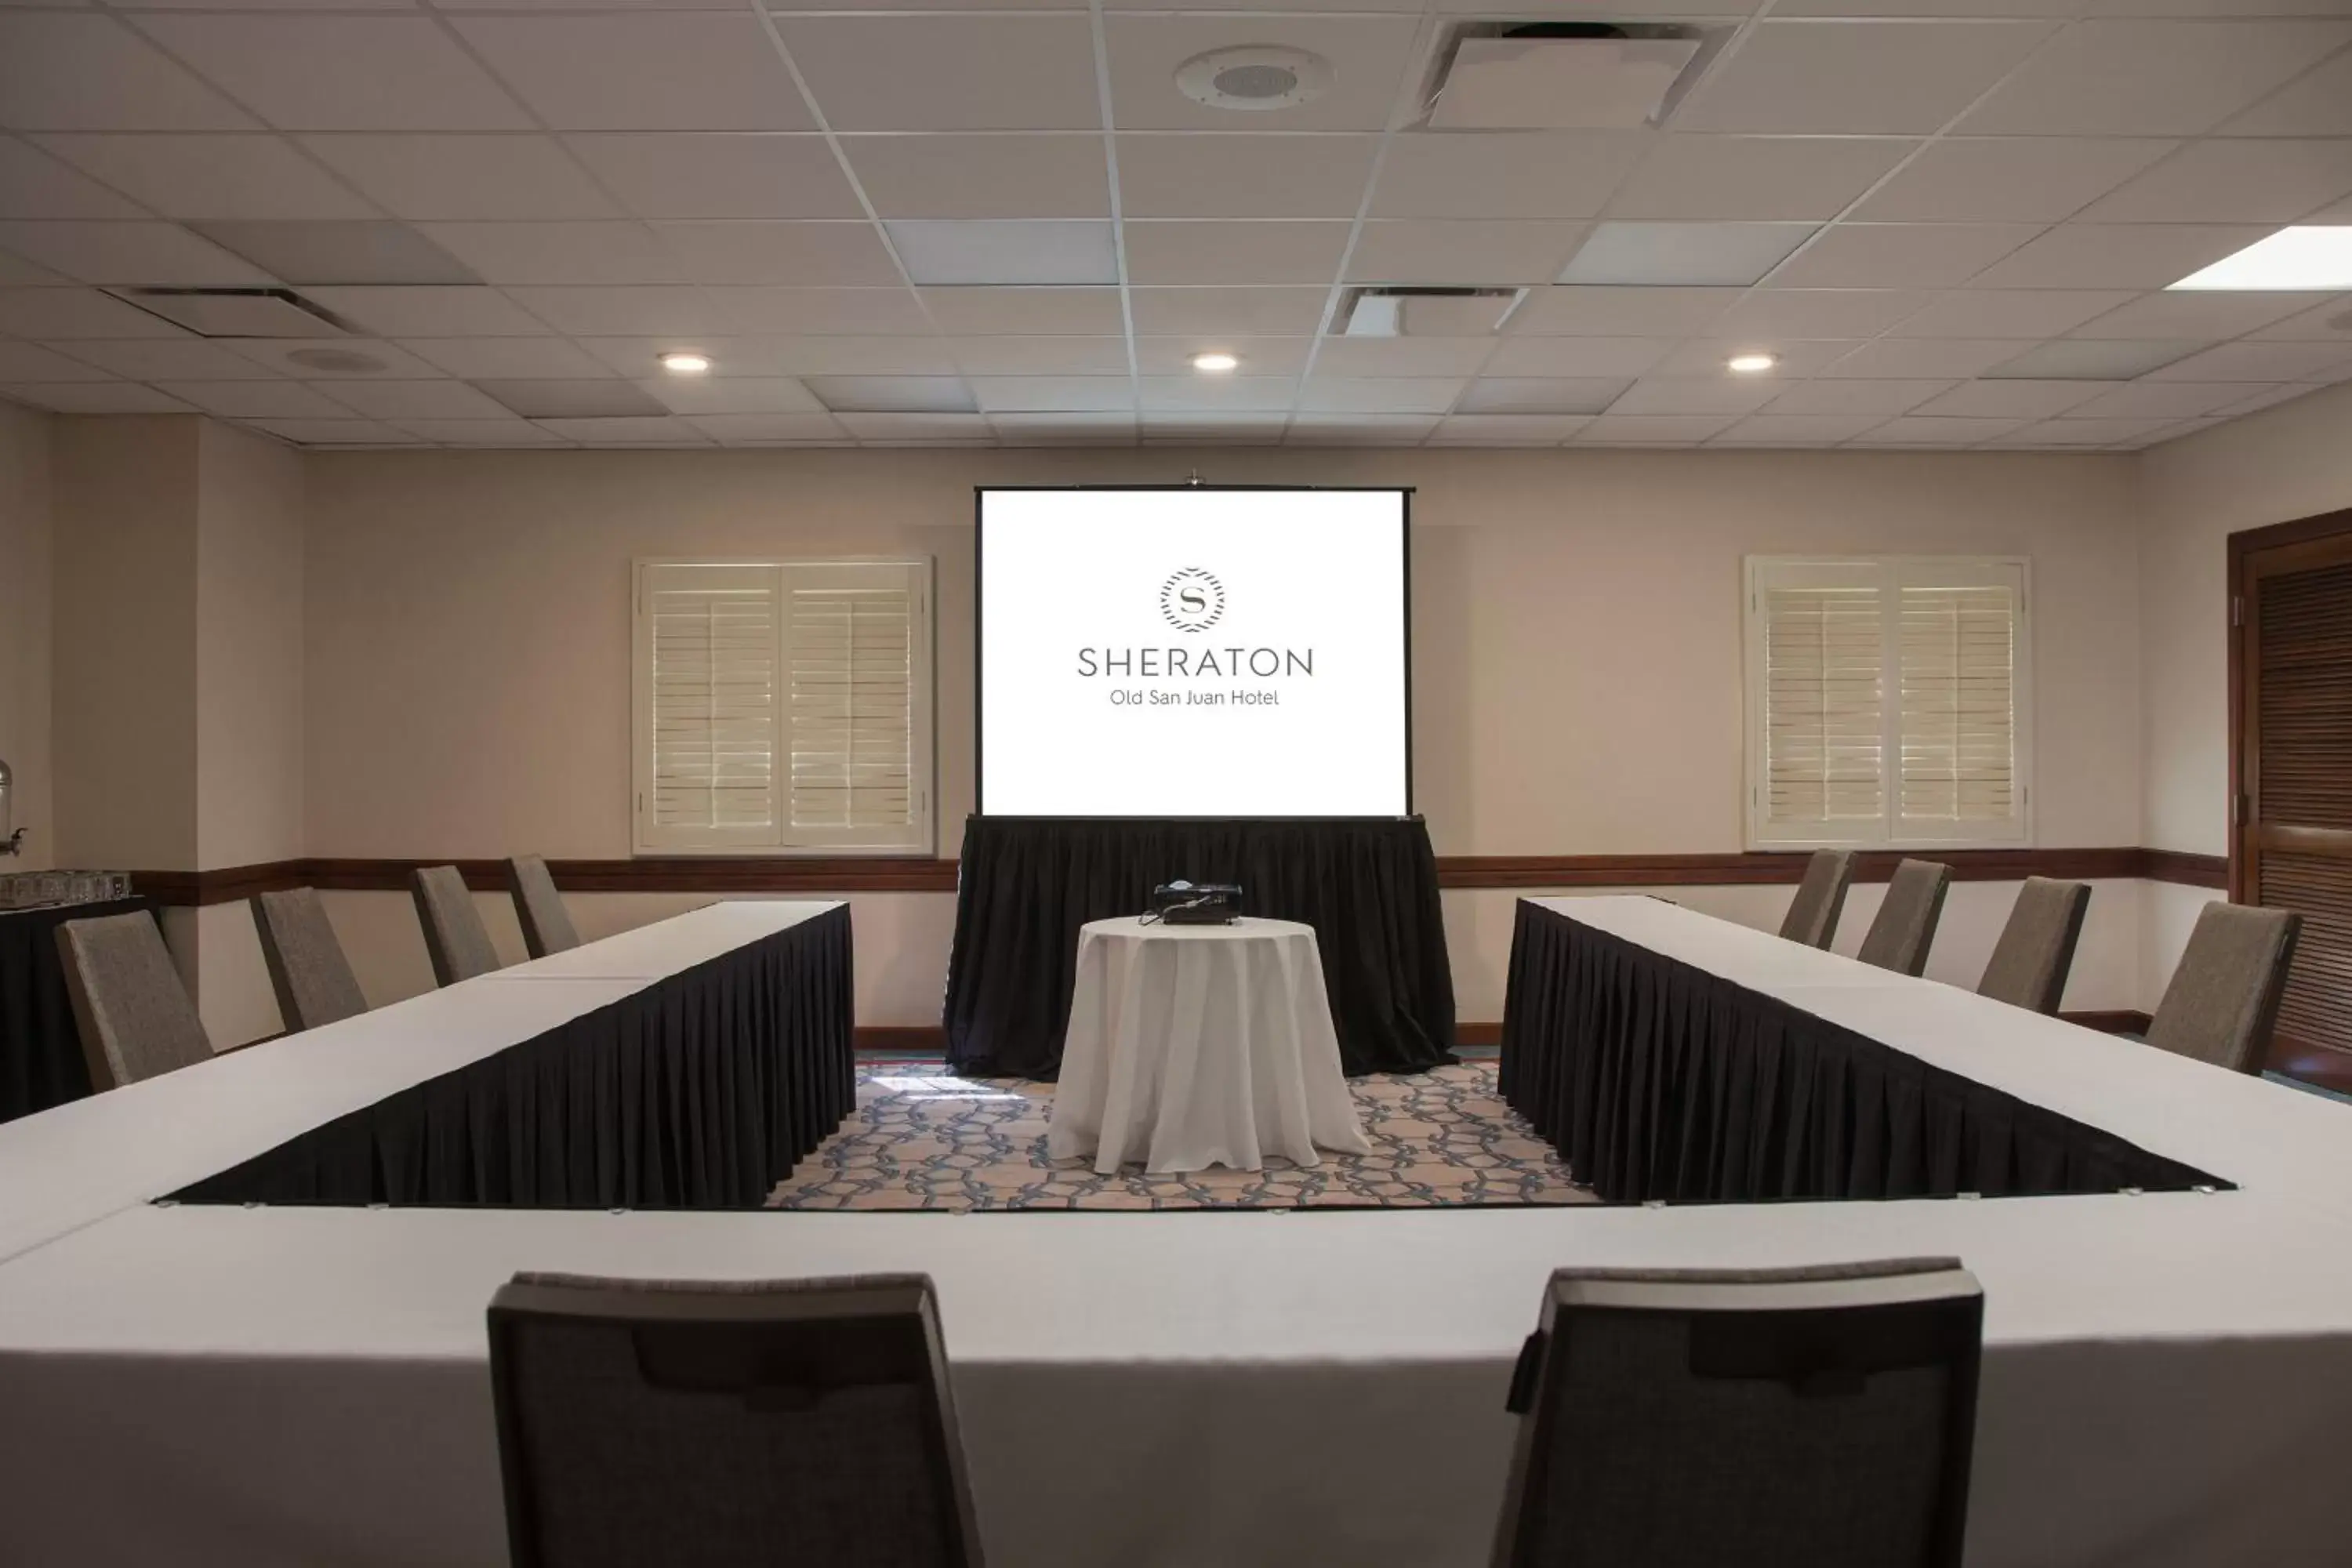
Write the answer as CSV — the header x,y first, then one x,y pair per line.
x,y
1894,573
646,839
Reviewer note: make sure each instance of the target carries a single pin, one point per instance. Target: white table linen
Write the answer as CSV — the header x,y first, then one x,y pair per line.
x,y
1198,1045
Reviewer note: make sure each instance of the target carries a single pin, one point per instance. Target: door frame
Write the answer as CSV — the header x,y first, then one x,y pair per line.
x,y
2241,627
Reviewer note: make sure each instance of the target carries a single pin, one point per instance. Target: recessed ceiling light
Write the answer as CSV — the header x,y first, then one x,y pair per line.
x,y
1751,364
2308,255
686,365
1214,363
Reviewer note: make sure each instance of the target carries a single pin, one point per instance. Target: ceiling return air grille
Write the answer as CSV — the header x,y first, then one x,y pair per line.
x,y
1565,76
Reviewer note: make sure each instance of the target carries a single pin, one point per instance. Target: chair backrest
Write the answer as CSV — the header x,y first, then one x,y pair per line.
x,y
1813,1417
455,937
696,1424
2036,949
308,970
133,1014
1905,927
546,923
2224,998
1813,916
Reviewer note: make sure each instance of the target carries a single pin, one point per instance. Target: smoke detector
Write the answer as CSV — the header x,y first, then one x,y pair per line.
x,y
1255,78
1424,313
1565,76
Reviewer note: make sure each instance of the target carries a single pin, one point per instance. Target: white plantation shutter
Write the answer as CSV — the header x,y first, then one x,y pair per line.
x,y
783,706
1886,701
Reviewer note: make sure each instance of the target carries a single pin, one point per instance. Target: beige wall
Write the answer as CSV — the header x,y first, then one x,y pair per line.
x,y
25,597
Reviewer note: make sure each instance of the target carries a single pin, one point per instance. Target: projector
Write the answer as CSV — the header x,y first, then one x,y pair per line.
x,y
1207,904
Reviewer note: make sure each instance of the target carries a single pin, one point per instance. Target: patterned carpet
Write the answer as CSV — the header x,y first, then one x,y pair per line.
x,y
923,1139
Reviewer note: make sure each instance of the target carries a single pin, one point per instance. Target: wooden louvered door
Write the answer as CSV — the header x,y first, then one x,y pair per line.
x,y
2293,606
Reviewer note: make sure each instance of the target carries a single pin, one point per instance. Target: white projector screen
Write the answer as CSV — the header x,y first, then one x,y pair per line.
x,y
1193,652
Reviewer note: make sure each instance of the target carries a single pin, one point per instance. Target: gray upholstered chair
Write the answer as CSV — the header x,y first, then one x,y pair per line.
x,y
546,923
2223,1000
1905,927
697,1424
2036,949
1816,1417
455,937
1812,915
308,970
133,1014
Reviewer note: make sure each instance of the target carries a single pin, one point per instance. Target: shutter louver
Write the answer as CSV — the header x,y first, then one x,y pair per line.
x,y
852,710
1959,708
714,697
1824,706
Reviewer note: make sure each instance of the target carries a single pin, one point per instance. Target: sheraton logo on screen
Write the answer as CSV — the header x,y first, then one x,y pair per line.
x,y
1192,599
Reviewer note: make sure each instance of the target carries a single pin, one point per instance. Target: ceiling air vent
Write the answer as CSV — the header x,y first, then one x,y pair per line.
x,y
1254,78
1424,313
1565,76
238,312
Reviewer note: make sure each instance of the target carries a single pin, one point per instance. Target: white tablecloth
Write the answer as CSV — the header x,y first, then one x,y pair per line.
x,y
1198,1045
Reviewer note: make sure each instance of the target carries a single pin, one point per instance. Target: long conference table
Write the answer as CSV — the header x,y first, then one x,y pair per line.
x,y
216,1384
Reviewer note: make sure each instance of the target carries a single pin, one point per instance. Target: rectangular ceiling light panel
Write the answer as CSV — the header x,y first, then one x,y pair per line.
x,y
2306,256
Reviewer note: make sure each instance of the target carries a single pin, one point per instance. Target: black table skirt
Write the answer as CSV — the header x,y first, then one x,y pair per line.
x,y
1369,887
1655,1080
41,1061
699,1092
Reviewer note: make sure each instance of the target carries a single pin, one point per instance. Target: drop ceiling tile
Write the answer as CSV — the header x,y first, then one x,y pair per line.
x,y
1898,359
560,253
508,359
1505,173
78,313
1925,430
824,356
438,311
1517,395
1054,393
1064,428
1723,394
2262,397
2009,313
1193,429
1358,429
500,177
2219,181
650,431
2316,104
93,397
153,255
1507,429
1828,398
1622,311
1462,252
1778,429
848,311
2095,359
621,311
2115,256
1754,179
1241,313
64,72
1227,253
1654,429
806,255
2329,323
914,428
1855,78
673,71
1222,394
1900,255
384,360
1011,176
2085,432
948,72
1005,354
1259,356
1942,8
1778,313
29,362
2162,400
2016,399
35,184
1243,176
1795,358
275,398
2007,180
892,393
172,358
967,251
2150,78
2211,314
1403,356
2258,360
1370,58
719,174
370,252
1586,357
572,399
762,429
732,394
503,432
213,177
335,432
972,311
1660,254
341,73
441,399
1379,394
17,273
